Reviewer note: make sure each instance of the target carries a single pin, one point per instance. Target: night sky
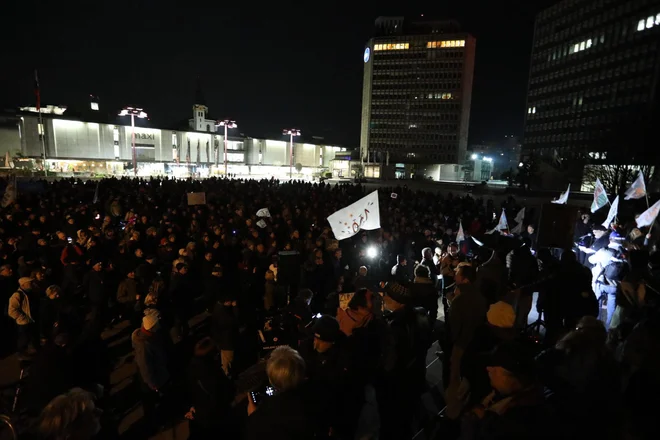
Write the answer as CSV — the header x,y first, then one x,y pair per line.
x,y
273,67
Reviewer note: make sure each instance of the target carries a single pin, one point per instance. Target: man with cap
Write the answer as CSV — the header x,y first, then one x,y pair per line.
x,y
516,406
328,370
608,271
403,378
21,312
151,360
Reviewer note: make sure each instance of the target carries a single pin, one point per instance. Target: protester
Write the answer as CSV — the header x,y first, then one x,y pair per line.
x,y
173,261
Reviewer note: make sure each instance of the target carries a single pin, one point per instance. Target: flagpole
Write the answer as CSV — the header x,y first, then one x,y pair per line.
x,y
647,201
41,121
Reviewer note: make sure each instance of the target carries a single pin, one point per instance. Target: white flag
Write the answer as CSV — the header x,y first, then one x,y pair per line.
x,y
600,197
520,218
614,210
648,217
10,192
460,235
363,214
262,224
263,212
638,189
564,197
502,225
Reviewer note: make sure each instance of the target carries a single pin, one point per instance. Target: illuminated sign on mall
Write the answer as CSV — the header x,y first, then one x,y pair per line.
x,y
145,136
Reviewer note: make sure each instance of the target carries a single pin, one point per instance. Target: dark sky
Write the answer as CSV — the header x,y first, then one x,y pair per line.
x,y
283,65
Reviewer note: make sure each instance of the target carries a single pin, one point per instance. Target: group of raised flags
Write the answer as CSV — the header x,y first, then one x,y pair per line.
x,y
636,191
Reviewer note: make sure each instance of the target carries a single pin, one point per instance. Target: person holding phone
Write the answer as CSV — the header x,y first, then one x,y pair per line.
x,y
285,415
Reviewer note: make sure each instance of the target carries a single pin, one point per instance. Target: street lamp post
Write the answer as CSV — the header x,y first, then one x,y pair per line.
x,y
291,132
227,124
133,112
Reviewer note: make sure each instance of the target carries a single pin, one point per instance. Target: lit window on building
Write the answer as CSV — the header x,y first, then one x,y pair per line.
x,y
115,134
392,46
94,105
640,25
174,139
657,20
533,109
445,44
589,43
650,22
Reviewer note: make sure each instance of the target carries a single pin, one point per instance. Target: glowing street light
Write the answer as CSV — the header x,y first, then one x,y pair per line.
x,y
291,132
133,113
227,124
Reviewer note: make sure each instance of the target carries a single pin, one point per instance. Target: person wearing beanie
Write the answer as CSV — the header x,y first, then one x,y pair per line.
x,y
151,360
409,338
516,406
466,314
501,315
328,369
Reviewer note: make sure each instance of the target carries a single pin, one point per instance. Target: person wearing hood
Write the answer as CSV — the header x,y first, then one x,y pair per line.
x,y
151,360
211,394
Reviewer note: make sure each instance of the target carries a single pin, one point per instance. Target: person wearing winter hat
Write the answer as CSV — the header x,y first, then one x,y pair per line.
x,y
501,315
151,360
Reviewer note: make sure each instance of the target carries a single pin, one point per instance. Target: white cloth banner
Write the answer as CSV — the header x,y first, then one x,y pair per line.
x,y
638,188
263,212
648,217
363,214
564,197
262,224
520,218
460,235
614,210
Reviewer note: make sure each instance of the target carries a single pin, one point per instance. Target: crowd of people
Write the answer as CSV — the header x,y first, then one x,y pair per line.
x,y
247,317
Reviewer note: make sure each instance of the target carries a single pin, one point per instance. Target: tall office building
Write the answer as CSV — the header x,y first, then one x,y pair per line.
x,y
416,92
593,84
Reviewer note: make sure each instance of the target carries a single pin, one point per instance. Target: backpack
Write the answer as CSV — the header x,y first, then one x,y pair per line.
x,y
616,270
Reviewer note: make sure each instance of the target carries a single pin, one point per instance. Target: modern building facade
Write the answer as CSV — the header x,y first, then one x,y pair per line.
x,y
593,84
79,146
417,91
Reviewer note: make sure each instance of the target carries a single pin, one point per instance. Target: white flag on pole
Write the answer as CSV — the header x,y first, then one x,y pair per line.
x,y
460,235
502,225
520,218
262,224
363,214
638,188
564,197
614,210
648,217
263,212
600,197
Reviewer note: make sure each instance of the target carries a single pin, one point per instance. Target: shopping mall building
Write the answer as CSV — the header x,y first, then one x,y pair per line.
x,y
89,146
